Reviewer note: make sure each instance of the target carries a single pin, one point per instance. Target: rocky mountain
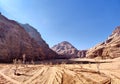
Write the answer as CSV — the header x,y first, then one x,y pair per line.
x,y
15,41
34,34
109,48
81,53
67,50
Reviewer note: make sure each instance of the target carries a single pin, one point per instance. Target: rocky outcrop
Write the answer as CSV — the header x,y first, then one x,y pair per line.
x,y
81,53
109,48
67,50
15,41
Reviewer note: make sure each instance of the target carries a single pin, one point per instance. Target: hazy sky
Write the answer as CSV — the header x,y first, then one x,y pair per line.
x,y
83,23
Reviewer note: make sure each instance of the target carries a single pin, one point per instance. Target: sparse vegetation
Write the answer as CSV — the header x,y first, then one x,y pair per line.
x,y
32,62
89,65
81,65
24,58
18,63
98,67
16,66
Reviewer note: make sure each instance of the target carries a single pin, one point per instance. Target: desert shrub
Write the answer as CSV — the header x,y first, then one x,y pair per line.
x,y
32,62
89,64
81,65
97,65
24,58
17,64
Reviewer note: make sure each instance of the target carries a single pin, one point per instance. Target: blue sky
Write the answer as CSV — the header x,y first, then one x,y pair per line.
x,y
84,23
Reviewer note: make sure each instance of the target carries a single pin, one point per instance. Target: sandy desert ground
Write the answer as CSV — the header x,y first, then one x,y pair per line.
x,y
91,72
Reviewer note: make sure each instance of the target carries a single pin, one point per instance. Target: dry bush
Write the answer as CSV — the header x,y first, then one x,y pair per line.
x,y
32,62
81,65
24,58
17,64
63,64
45,63
97,65
89,64
51,64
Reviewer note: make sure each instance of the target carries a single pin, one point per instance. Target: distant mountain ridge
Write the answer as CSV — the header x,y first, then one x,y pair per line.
x,y
63,46
67,50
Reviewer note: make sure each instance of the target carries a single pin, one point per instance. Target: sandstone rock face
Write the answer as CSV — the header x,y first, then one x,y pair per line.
x,y
67,50
15,41
109,48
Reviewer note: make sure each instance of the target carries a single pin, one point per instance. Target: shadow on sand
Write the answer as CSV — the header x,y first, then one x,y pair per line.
x,y
69,61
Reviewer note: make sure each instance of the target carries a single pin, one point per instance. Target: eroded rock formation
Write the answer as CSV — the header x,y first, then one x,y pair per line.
x,y
109,48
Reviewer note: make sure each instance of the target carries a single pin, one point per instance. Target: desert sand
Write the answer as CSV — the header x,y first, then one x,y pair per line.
x,y
77,72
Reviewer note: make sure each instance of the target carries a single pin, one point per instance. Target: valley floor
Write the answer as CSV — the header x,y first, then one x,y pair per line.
x,y
92,72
